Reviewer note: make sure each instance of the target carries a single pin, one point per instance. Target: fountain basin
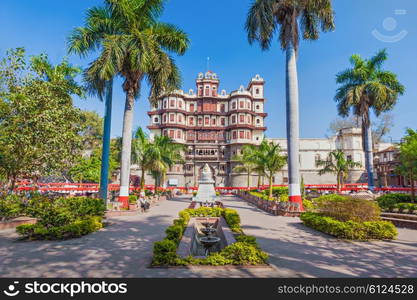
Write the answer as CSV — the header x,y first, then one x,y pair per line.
x,y
192,242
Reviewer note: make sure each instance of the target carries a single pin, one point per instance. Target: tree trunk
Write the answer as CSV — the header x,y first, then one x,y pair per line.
x,y
413,192
104,172
338,182
369,157
248,183
293,127
126,149
142,179
270,187
259,181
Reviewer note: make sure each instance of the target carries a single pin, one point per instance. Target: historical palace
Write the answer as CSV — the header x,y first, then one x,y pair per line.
x,y
214,125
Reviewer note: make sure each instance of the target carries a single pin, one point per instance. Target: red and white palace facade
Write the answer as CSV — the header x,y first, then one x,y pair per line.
x,y
213,125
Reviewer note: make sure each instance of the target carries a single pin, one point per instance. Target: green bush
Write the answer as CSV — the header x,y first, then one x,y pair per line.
x,y
71,230
133,199
63,218
11,206
350,230
232,218
248,239
308,205
349,209
240,253
389,201
174,233
164,253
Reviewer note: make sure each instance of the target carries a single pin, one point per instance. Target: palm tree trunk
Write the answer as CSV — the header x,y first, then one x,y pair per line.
x,y
104,172
270,187
142,179
248,178
126,149
413,192
369,157
259,180
293,127
338,182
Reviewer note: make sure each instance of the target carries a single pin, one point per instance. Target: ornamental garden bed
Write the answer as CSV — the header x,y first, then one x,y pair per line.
x,y
349,218
13,223
56,218
239,250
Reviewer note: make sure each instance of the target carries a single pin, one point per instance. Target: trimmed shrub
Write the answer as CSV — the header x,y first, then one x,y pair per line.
x,y
164,253
248,239
133,199
349,209
389,201
174,233
62,218
11,206
233,219
75,229
244,254
308,205
350,230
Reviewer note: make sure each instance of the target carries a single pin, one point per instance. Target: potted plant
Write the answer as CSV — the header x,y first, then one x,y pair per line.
x,y
133,202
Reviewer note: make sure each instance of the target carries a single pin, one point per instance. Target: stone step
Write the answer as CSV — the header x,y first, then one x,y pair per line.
x,y
399,216
402,222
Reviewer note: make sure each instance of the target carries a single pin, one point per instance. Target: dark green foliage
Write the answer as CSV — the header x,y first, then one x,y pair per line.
x,y
74,229
11,206
133,199
244,254
389,201
164,253
174,233
350,230
63,217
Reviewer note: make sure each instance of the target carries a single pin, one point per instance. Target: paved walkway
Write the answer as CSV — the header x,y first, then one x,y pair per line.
x,y
124,249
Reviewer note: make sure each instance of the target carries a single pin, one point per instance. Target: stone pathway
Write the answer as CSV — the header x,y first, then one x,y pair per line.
x,y
124,249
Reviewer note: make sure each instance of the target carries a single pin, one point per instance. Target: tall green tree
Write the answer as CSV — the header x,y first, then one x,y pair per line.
x,y
138,51
292,19
246,161
163,155
268,157
39,126
364,88
338,164
408,159
99,23
141,154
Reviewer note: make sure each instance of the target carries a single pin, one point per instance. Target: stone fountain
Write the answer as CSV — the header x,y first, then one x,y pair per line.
x,y
206,194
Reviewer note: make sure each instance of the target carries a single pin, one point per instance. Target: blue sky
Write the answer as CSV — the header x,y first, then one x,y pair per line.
x,y
216,30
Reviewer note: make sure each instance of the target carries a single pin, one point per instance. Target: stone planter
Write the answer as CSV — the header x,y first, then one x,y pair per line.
x,y
16,222
133,206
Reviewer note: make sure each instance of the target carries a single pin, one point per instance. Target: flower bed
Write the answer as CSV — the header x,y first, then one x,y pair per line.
x,y
351,230
62,218
244,252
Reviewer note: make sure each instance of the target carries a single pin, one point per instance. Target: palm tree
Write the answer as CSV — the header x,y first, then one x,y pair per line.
x,y
270,160
338,164
137,51
246,161
363,88
163,155
99,23
141,148
294,18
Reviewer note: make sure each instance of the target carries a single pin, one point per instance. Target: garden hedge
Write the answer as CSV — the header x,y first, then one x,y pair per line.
x,y
62,218
378,230
244,252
